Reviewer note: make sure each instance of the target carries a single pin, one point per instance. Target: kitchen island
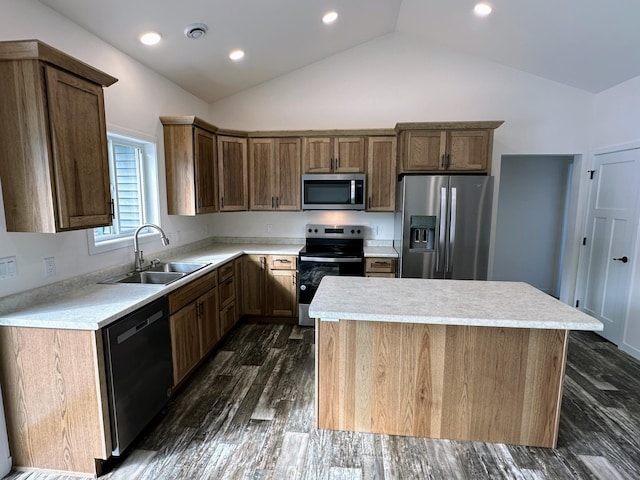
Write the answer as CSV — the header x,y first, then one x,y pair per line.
x,y
464,360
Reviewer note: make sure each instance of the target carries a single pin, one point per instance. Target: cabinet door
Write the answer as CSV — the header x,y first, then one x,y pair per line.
x,y
261,168
381,174
208,321
79,151
185,341
227,318
206,175
317,154
287,174
232,173
282,293
423,150
253,268
468,150
349,155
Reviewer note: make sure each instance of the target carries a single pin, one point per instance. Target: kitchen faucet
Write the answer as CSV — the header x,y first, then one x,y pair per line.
x,y
139,259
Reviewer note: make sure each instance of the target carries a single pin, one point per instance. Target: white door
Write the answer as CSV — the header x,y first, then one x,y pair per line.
x,y
609,238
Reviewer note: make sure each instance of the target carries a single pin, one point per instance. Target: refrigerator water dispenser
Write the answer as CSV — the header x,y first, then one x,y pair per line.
x,y
423,233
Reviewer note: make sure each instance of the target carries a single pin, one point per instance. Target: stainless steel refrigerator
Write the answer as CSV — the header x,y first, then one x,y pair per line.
x,y
442,226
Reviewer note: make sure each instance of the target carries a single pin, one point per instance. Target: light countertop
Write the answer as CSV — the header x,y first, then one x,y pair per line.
x,y
446,302
94,306
386,252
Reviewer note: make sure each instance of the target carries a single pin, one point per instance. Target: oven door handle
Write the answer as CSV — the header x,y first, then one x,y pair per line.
x,y
330,260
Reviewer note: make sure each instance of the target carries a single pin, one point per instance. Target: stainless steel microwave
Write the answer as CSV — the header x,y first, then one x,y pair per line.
x,y
341,191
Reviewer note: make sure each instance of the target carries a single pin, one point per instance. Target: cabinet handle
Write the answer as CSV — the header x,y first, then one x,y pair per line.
x,y
277,202
448,160
294,279
113,209
272,203
222,201
369,203
442,161
386,264
262,262
283,260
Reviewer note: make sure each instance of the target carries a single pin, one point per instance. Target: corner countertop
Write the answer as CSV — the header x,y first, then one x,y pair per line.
x,y
445,302
95,305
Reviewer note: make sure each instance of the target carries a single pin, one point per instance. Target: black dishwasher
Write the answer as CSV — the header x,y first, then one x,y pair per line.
x,y
139,370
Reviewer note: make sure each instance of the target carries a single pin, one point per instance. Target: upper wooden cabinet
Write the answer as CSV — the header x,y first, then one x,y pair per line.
x,y
381,174
436,147
54,163
333,154
274,166
232,173
190,165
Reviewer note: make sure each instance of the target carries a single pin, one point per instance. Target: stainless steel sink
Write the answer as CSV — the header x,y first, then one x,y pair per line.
x,y
156,278
177,267
159,274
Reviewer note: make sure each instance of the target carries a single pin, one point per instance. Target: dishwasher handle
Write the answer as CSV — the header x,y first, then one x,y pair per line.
x,y
127,334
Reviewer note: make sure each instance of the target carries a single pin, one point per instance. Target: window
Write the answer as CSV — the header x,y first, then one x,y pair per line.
x,y
134,190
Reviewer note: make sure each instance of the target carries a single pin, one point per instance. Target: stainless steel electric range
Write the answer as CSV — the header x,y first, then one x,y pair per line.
x,y
329,250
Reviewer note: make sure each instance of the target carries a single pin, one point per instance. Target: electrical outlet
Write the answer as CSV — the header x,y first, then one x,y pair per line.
x,y
49,267
269,228
8,267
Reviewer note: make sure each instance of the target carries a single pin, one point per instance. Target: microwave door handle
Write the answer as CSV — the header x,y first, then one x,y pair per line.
x,y
353,192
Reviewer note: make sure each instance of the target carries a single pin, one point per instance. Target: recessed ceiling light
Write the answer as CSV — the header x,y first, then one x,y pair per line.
x,y
236,55
330,17
482,9
150,38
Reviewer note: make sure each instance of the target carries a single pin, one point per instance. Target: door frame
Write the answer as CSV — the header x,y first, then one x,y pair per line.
x,y
575,214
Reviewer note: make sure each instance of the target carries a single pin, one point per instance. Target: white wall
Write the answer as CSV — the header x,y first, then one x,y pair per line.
x,y
398,79
617,122
133,104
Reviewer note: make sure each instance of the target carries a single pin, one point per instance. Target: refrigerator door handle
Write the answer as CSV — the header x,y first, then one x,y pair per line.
x,y
442,228
452,230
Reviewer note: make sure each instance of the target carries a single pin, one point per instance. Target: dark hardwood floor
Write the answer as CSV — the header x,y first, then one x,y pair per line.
x,y
248,414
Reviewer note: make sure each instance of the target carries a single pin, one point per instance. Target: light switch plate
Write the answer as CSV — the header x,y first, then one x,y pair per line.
x,y
8,267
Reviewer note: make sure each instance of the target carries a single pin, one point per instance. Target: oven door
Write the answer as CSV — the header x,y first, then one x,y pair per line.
x,y
312,269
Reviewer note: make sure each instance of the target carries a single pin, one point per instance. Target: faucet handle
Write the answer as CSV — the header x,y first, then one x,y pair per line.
x,y
155,262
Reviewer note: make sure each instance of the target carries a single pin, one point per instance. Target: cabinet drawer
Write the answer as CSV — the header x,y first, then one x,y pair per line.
x,y
380,275
380,265
283,262
191,291
226,291
225,271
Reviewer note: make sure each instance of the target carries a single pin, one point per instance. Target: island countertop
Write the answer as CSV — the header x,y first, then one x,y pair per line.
x,y
445,302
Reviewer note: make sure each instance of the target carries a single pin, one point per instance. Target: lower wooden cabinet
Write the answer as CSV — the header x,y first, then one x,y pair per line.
x,y
194,322
270,285
185,341
380,267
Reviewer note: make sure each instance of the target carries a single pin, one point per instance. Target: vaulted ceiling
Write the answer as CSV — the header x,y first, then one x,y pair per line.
x,y
589,45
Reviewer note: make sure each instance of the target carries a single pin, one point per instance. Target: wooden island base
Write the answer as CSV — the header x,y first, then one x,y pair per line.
x,y
489,384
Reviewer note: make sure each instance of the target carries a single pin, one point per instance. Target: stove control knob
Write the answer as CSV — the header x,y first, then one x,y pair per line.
x,y
310,230
316,230
353,231
303,287
358,230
